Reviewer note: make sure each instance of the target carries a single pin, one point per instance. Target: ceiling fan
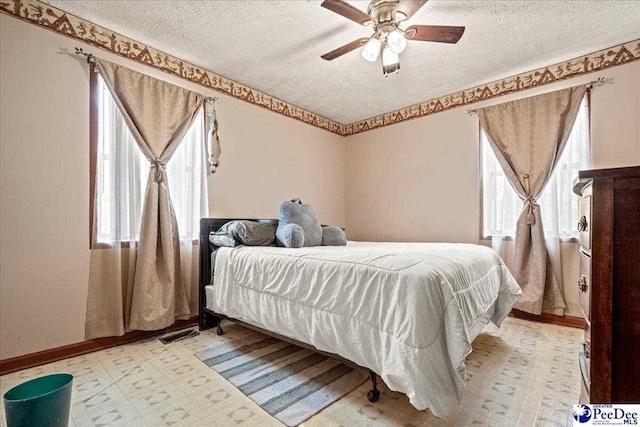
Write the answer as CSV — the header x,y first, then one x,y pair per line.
x,y
385,17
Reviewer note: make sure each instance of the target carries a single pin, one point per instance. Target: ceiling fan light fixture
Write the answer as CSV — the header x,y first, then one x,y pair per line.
x,y
390,69
388,39
396,41
371,49
389,57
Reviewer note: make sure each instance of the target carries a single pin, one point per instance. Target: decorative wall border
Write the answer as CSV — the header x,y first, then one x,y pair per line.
x,y
590,63
54,19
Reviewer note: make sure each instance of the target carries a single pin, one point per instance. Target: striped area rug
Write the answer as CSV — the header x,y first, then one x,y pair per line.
x,y
289,382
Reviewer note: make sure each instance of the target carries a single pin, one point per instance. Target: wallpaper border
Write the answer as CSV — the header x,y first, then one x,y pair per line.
x,y
54,19
57,20
593,62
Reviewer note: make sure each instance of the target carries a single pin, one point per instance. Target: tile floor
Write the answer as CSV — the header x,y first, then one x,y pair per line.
x,y
524,374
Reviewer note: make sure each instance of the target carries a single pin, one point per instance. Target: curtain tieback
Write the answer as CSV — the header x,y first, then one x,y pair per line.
x,y
530,202
159,166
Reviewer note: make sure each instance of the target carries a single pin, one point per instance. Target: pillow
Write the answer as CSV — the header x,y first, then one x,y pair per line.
x,y
333,236
222,239
253,233
250,233
294,212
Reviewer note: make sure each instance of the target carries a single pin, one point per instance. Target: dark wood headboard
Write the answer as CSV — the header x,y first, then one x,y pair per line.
x,y
208,225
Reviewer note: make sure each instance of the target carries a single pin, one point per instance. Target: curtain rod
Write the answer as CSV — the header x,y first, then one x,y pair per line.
x,y
597,82
91,58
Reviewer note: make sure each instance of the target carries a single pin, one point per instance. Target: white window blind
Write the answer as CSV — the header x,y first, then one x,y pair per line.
x,y
501,206
122,172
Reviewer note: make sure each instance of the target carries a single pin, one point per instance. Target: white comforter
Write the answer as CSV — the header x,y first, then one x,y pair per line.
x,y
408,311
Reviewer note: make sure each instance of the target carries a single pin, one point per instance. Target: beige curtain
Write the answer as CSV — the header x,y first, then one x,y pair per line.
x,y
153,293
528,136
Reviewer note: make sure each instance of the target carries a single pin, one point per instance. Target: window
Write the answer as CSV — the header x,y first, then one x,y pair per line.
x,y
501,206
122,170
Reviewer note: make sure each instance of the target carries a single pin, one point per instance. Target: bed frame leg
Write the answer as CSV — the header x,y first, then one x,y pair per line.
x,y
219,330
374,394
206,321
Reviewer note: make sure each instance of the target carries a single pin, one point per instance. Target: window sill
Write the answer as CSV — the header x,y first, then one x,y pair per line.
x,y
510,239
127,245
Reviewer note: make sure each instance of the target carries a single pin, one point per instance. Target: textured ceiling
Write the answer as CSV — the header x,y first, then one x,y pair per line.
x,y
275,46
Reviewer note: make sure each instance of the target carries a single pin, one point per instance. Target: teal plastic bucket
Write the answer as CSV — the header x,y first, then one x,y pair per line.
x,y
43,401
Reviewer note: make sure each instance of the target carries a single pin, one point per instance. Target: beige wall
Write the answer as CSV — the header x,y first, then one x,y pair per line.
x,y
44,117
420,180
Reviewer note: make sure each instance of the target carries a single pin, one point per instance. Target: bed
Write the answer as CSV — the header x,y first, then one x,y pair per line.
x,y
407,311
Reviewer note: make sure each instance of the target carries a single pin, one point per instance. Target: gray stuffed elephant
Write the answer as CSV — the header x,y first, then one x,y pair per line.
x,y
298,226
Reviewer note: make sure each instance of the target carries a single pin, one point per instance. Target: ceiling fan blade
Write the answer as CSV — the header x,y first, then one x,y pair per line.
x,y
344,49
434,33
408,8
345,9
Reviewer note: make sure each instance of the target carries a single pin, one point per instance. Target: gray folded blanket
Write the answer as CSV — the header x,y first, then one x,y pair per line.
x,y
242,232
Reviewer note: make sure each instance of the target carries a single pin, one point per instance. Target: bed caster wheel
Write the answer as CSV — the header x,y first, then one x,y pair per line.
x,y
373,395
219,330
